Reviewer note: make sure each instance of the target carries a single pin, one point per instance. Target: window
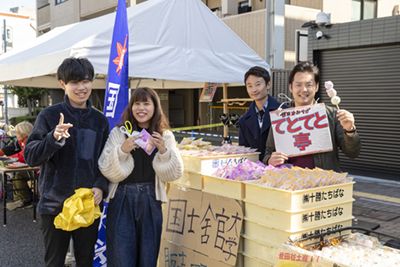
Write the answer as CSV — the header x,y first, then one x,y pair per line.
x,y
363,9
301,44
9,34
244,7
60,1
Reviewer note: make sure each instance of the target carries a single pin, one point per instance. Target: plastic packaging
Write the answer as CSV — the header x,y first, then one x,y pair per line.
x,y
78,211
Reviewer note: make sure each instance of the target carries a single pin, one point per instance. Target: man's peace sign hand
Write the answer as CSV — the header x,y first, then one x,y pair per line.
x,y
61,129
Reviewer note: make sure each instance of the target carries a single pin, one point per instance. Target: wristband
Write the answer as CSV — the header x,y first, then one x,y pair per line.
x,y
351,131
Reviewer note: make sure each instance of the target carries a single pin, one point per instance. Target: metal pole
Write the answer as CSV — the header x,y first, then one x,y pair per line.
x,y
269,32
225,108
5,90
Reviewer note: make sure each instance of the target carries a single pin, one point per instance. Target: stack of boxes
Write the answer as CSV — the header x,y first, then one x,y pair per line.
x,y
197,175
271,216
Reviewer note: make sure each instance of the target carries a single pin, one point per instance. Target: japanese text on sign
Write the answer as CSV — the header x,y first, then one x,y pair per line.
x,y
322,214
211,165
302,130
204,222
322,196
322,231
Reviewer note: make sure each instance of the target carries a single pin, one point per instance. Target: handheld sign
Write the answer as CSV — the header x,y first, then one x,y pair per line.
x,y
301,131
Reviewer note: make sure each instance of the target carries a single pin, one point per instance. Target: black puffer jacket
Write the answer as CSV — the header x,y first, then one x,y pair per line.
x,y
70,163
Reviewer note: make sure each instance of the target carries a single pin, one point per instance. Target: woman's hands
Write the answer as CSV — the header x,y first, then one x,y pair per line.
x,y
130,144
158,140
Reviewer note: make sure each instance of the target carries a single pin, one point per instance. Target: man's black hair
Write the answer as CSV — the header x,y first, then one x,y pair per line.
x,y
259,72
305,66
75,69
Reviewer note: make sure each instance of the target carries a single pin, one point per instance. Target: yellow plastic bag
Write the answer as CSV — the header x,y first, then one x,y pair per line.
x,y
78,211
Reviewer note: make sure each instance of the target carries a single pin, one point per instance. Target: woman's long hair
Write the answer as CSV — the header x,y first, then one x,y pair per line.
x,y
158,123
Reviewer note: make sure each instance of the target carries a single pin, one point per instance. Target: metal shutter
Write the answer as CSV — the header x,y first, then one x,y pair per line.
x,y
367,80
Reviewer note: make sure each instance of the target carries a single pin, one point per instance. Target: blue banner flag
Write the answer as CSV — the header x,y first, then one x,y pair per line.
x,y
100,254
117,91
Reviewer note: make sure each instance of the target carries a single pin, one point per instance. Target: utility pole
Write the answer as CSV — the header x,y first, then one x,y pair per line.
x,y
5,90
275,20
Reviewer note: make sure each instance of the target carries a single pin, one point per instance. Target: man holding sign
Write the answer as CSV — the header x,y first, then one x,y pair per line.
x,y
341,130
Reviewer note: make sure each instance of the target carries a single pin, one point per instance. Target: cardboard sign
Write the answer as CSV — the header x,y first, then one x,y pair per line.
x,y
175,255
208,92
201,222
301,131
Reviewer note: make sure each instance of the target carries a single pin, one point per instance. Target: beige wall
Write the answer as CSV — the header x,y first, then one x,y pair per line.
x,y
64,13
257,5
340,10
315,4
295,17
213,3
385,7
250,27
134,2
43,15
87,6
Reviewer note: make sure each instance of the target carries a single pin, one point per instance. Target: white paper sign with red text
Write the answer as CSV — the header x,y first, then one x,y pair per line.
x,y
301,130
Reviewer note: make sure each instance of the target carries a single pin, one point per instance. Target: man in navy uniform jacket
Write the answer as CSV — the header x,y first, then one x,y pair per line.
x,y
254,124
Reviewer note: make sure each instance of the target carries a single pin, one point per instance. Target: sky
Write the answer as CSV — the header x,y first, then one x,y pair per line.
x,y
5,5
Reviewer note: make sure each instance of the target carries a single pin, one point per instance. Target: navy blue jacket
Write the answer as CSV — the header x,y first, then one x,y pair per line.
x,y
250,134
70,163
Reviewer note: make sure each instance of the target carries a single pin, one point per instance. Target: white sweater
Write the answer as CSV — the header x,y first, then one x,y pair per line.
x,y
117,165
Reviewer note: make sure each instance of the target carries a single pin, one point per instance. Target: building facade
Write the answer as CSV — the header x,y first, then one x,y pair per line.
x,y
17,28
361,59
247,19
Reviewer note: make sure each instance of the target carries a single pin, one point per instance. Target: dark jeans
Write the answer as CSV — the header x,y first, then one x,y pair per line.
x,y
134,224
56,242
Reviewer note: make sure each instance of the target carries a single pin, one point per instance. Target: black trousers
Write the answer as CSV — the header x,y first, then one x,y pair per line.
x,y
56,242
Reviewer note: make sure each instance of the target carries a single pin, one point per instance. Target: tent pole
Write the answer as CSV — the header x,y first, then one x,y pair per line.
x,y
5,90
225,106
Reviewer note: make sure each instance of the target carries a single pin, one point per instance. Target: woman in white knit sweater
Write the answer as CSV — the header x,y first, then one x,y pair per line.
x,y
137,182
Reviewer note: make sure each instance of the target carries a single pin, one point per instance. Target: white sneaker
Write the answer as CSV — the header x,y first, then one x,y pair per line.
x,y
16,204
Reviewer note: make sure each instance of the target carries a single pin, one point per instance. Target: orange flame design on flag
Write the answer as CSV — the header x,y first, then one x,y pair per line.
x,y
119,61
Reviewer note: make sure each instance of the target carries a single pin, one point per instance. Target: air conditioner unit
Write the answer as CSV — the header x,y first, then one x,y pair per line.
x,y
229,7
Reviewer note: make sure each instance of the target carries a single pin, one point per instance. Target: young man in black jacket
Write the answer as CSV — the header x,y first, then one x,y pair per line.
x,y
255,123
66,141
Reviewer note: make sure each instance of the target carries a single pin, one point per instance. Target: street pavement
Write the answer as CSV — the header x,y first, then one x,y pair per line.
x,y
376,201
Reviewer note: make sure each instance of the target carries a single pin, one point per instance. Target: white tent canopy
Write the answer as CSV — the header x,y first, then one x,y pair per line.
x,y
172,43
